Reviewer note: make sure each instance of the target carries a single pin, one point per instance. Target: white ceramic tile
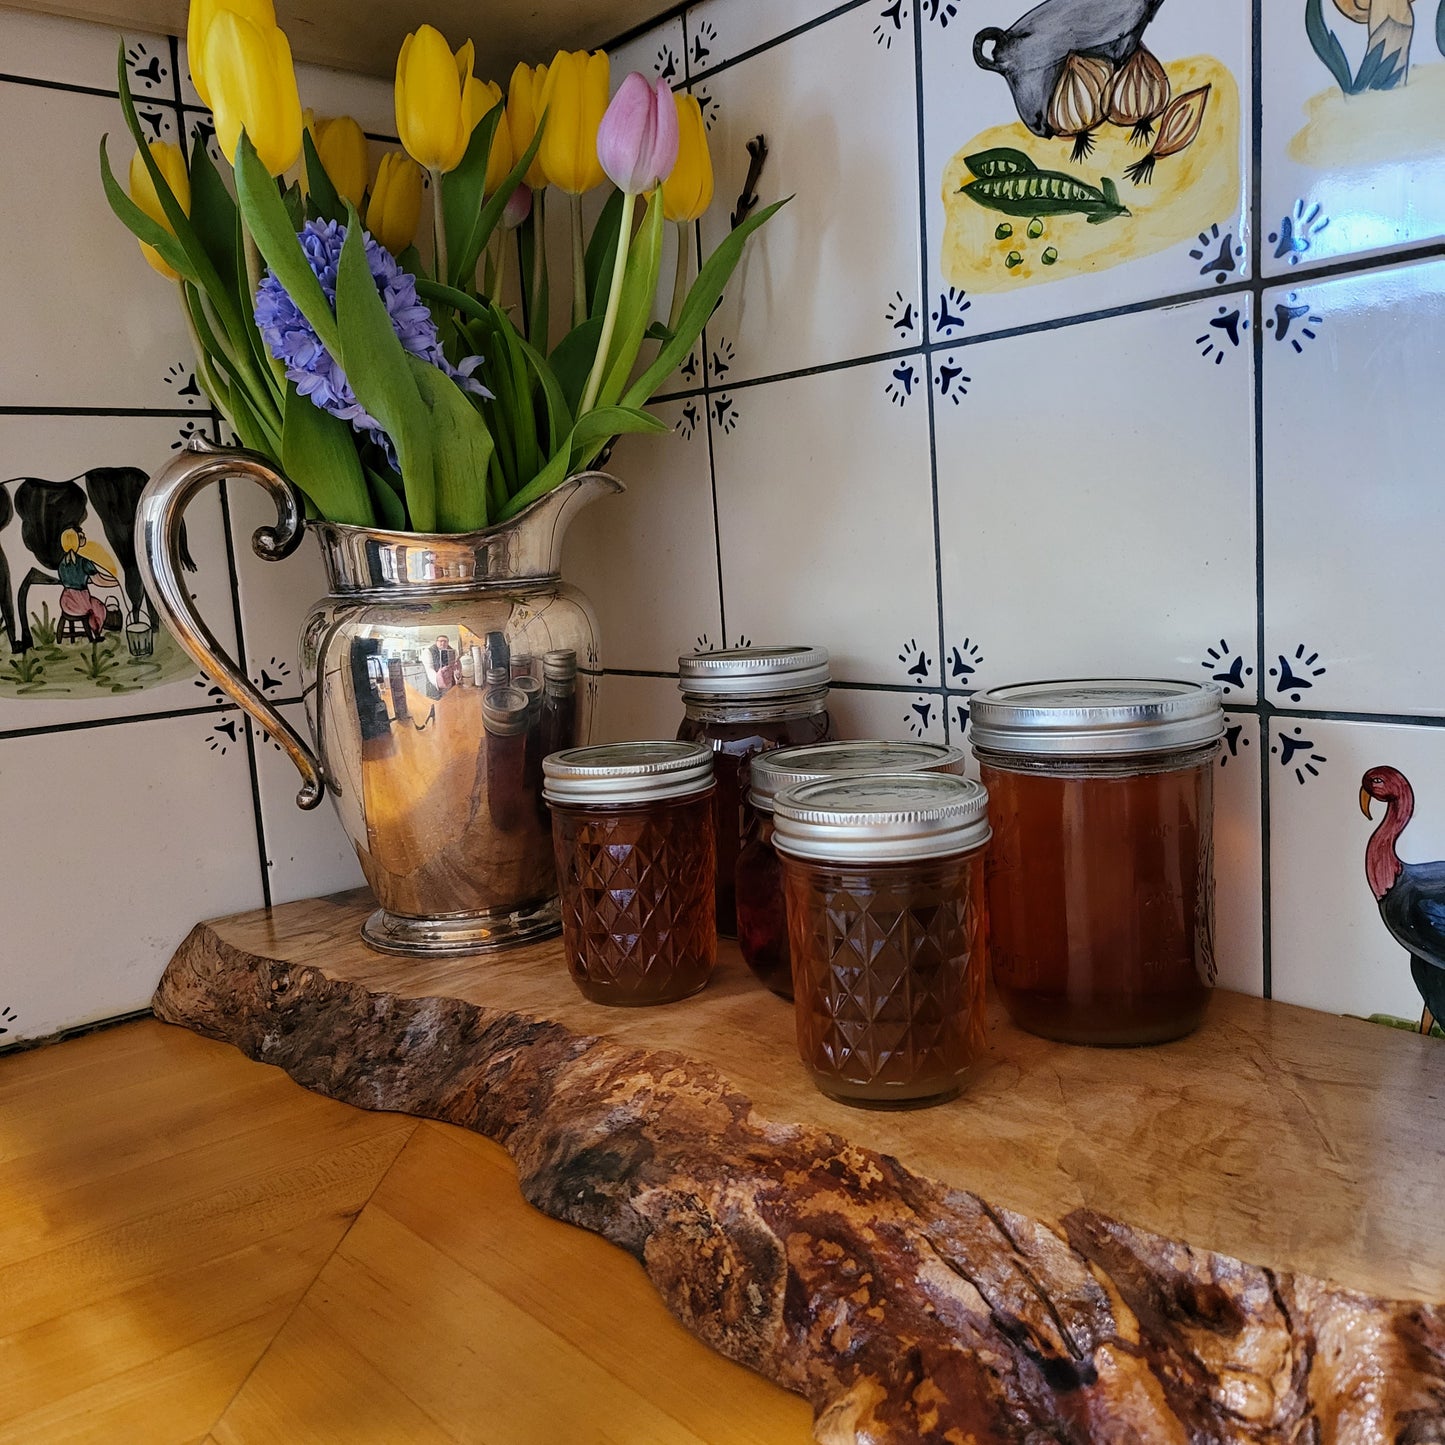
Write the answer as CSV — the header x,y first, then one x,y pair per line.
x,y
718,31
894,716
1330,946
632,708
307,853
1238,857
1184,230
92,324
117,840
835,274
1351,449
826,518
71,52
658,53
1346,174
1097,499
648,559
63,680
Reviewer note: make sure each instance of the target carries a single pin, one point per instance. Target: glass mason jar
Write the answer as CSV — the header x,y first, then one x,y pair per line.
x,y
883,881
743,701
1101,874
761,917
632,826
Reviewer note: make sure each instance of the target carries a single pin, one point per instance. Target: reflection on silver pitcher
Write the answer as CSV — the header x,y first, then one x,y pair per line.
x,y
437,783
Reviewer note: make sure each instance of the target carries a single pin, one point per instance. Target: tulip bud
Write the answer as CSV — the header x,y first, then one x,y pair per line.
x,y
687,192
438,99
518,207
637,140
394,211
499,158
202,13
172,163
341,144
524,110
253,88
575,100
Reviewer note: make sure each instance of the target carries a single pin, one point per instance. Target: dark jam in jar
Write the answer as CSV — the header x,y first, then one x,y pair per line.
x,y
761,915
1100,876
740,702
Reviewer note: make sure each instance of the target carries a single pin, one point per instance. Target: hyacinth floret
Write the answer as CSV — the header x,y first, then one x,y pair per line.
x,y
316,374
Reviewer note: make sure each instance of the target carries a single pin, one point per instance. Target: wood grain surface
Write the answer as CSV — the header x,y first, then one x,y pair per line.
x,y
909,1307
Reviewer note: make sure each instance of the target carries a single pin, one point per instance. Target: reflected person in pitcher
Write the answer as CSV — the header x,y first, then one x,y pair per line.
x,y
440,663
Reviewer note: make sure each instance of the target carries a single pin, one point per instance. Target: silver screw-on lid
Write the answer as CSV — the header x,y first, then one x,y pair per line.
x,y
1096,717
504,711
559,664
627,772
881,818
770,773
753,672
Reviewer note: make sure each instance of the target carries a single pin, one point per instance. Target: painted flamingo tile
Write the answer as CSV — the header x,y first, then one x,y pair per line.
x,y
1352,519
1353,144
1355,899
1080,156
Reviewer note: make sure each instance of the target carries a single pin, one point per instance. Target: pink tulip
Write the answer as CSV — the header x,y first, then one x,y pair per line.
x,y
518,207
637,140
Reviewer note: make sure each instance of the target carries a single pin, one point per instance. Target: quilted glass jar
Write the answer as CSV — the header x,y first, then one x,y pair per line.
x,y
632,826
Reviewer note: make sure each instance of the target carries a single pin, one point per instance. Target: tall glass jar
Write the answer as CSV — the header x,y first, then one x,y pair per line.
x,y
762,919
740,702
1101,873
632,827
883,880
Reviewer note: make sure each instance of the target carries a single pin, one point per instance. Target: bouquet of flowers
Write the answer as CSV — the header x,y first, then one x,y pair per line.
x,y
396,389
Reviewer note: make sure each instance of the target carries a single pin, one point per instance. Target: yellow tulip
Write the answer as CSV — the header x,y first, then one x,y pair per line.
x,y
524,109
687,192
575,96
395,207
341,145
499,158
259,12
172,163
438,99
253,88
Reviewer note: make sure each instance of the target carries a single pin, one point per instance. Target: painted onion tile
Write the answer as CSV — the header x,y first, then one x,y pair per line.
x,y
835,274
1353,508
117,840
648,559
807,470
1098,520
1336,920
85,474
891,715
630,709
1040,205
1353,149
718,31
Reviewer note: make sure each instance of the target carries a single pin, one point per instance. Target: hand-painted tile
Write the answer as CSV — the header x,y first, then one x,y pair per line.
x,y
307,853
835,274
1097,517
874,713
634,708
659,53
1238,897
1352,518
806,472
648,559
70,52
1353,149
117,839
97,650
1082,156
1345,889
719,31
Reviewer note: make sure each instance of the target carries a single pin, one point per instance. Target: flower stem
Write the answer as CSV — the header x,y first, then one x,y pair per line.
x,y
539,317
679,284
499,276
579,265
439,229
614,298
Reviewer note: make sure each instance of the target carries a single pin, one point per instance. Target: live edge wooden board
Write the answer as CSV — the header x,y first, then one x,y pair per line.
x,y
1056,1255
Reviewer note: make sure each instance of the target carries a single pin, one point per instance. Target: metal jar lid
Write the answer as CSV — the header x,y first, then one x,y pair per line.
x,y
772,772
559,665
753,672
504,711
881,818
627,772
1096,717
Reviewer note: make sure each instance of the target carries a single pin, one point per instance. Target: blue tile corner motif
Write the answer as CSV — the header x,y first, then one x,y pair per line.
x,y
186,432
1297,754
891,20
688,419
916,661
940,12
920,715
964,660
948,316
723,356
148,69
1218,253
725,414
949,379
180,377
1236,739
1227,666
665,64
704,39
1294,321
902,315
158,119
707,103
224,733
1223,334
899,388
8,1018
1294,676
1295,236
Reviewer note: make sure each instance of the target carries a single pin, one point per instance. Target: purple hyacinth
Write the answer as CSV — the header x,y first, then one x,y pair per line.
x,y
317,374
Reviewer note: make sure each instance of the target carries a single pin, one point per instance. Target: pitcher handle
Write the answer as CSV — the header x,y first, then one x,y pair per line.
x,y
159,514
992,34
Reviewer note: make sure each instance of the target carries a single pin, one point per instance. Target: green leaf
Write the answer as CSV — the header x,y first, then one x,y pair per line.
x,y
410,261
295,204
602,252
597,427
571,359
213,210
634,309
139,224
318,452
322,202
462,447
379,370
386,501
259,435
491,213
462,196
559,414
1326,46
702,300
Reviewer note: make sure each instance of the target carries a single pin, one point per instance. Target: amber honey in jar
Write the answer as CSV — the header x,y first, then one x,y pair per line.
x,y
742,701
1101,871
632,827
761,917
883,884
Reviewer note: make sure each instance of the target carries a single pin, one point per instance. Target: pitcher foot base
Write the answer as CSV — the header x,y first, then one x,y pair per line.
x,y
452,935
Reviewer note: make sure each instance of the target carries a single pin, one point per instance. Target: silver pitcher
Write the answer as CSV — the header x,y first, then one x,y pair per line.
x,y
437,674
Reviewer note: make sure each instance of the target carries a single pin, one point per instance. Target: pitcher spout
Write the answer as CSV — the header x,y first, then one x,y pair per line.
x,y
543,526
